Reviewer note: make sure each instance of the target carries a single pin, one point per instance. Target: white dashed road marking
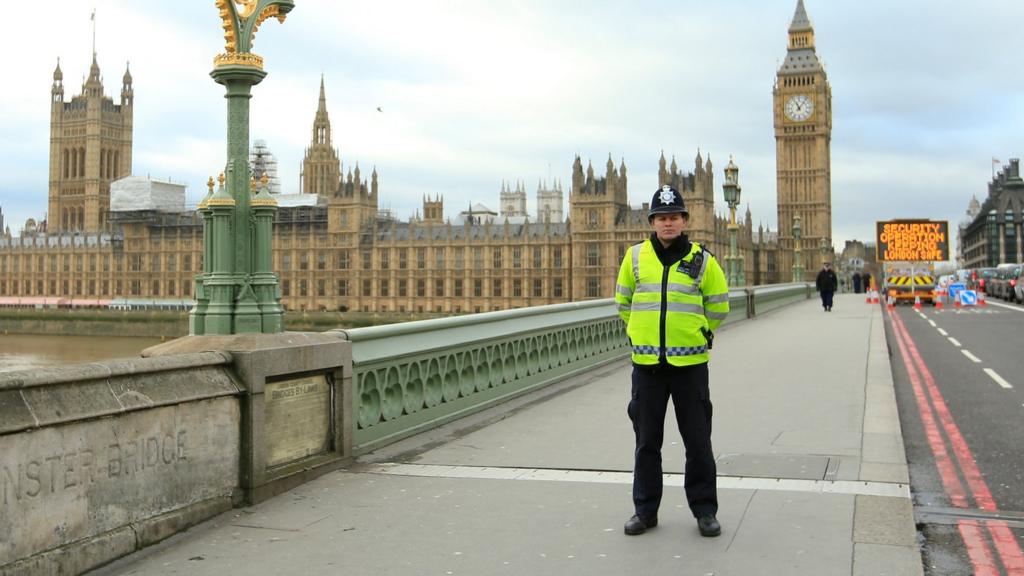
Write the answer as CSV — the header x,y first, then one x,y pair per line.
x,y
954,341
973,358
999,379
943,332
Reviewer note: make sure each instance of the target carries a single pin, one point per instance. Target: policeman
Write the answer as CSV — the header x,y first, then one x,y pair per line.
x,y
672,295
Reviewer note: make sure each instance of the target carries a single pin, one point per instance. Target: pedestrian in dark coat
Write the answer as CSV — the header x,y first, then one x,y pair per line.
x,y
827,283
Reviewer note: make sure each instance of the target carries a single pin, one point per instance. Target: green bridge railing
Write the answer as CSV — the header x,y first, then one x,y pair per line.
x,y
414,376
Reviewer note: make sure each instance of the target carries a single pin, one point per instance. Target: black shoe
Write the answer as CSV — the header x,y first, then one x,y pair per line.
x,y
709,526
637,525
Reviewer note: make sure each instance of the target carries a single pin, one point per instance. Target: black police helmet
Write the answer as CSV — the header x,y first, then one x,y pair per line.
x,y
667,201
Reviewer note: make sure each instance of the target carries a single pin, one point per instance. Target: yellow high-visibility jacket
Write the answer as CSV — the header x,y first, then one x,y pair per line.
x,y
667,310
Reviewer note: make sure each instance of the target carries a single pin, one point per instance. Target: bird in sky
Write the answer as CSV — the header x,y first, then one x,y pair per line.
x,y
378,109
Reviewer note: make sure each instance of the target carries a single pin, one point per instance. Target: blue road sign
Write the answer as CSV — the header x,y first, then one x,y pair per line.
x,y
954,288
968,297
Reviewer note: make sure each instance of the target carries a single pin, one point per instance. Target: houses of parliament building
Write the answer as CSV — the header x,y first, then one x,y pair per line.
x,y
335,249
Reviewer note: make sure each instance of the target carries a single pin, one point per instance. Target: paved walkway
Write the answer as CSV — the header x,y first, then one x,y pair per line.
x,y
813,479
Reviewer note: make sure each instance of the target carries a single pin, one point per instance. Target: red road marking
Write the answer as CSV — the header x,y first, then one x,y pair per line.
x,y
977,550
963,453
1005,543
947,472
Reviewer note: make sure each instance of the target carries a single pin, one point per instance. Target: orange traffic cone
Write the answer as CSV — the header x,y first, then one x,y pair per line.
x,y
917,302
956,300
890,303
938,300
874,297
981,299
867,299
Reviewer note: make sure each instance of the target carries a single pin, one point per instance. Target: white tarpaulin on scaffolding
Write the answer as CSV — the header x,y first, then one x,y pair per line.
x,y
142,193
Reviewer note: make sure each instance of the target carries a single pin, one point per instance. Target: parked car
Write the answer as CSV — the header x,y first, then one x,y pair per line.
x,y
1002,284
980,277
1018,286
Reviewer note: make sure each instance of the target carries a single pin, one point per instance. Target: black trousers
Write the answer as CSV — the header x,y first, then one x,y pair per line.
x,y
826,299
691,399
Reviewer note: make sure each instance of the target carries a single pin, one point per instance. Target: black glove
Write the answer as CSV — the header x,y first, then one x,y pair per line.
x,y
709,336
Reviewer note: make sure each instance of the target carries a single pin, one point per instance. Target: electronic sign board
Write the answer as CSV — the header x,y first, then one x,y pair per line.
x,y
912,240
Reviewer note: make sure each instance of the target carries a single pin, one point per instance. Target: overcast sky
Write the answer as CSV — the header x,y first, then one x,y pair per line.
x,y
925,94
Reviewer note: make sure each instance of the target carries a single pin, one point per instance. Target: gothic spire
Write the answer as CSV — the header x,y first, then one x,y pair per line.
x,y
93,85
800,20
323,97
94,71
322,123
57,90
127,93
801,57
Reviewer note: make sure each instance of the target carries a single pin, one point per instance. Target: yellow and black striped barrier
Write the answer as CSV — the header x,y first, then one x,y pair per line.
x,y
920,280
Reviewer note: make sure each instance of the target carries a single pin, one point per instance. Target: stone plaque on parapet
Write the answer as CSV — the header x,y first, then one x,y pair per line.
x,y
297,416
296,404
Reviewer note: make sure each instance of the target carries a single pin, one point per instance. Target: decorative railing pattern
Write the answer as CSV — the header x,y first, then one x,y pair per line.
x,y
414,376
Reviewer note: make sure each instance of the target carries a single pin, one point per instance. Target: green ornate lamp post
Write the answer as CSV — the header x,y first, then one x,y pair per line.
x,y
237,291
732,190
798,265
823,248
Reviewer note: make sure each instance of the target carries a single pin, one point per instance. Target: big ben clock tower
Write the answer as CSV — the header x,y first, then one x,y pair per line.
x,y
803,135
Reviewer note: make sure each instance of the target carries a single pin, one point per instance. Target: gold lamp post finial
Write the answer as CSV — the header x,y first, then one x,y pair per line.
x,y
240,20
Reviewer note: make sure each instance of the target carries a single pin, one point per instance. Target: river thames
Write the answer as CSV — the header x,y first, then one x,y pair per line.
x,y
25,352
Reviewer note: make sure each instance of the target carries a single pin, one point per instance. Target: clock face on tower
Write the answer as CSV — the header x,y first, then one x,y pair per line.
x,y
799,108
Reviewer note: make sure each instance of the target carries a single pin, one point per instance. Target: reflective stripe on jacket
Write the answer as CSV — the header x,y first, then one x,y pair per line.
x,y
665,309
